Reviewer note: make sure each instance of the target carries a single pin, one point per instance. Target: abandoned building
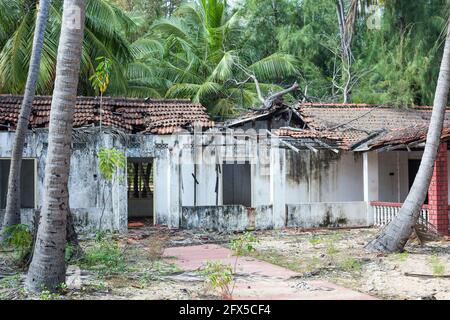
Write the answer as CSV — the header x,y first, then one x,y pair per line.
x,y
304,165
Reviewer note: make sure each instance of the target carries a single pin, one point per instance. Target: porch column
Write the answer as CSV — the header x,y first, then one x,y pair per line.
x,y
370,181
438,192
277,186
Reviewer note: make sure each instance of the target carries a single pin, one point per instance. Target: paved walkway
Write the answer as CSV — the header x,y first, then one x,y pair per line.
x,y
259,280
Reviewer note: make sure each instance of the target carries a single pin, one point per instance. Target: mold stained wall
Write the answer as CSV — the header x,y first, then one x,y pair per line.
x,y
323,177
91,197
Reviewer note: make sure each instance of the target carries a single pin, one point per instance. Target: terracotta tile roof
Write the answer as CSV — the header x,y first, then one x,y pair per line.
x,y
351,124
130,115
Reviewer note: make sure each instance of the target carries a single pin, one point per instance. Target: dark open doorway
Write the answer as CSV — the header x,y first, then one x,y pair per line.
x,y
237,184
140,188
413,167
27,183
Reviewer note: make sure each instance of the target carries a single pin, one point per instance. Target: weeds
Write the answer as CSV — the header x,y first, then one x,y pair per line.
x,y
437,265
19,238
11,282
350,264
105,257
315,240
221,276
400,257
47,295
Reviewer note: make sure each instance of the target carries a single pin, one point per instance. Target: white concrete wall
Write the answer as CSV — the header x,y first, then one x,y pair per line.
x,y
393,174
323,177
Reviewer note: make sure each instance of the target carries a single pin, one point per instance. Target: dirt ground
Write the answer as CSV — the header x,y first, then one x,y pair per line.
x,y
132,266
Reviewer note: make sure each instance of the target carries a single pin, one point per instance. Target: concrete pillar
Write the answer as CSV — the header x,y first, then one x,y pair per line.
x,y
370,181
438,192
162,188
277,186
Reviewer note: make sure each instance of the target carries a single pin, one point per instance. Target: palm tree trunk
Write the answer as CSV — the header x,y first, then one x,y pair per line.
x,y
47,269
12,213
394,237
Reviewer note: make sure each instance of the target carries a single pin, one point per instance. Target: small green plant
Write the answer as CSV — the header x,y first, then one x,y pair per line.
x,y
164,269
243,244
105,257
313,264
47,295
101,235
110,160
314,240
10,282
437,265
400,257
219,276
331,250
350,264
19,237
100,78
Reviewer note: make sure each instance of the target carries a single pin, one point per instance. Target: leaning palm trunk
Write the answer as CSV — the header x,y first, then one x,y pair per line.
x,y
394,237
47,269
12,213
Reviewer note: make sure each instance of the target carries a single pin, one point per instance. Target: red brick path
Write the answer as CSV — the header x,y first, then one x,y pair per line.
x,y
259,280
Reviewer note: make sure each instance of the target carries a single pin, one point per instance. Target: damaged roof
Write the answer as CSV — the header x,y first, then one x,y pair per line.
x,y
128,114
358,127
374,126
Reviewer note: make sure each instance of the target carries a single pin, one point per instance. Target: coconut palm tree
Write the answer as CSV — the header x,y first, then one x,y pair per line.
x,y
47,269
107,29
12,213
194,54
394,237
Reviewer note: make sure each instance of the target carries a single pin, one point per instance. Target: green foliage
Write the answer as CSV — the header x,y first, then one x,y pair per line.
x,y
106,31
196,54
243,244
437,265
105,257
11,282
110,160
401,257
100,78
19,237
350,264
47,295
219,276
314,240
205,50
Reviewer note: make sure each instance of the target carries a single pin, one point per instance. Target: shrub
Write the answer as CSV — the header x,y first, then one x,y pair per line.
x,y
105,257
219,276
19,237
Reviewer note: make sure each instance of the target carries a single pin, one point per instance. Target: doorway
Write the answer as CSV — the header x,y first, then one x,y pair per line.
x,y
413,168
237,184
140,188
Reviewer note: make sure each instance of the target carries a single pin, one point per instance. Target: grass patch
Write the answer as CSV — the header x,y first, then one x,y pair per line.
x,y
313,264
350,264
11,282
275,258
331,250
400,257
315,240
437,265
105,257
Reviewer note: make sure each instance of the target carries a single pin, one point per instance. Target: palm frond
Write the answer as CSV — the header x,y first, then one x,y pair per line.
x,y
275,66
